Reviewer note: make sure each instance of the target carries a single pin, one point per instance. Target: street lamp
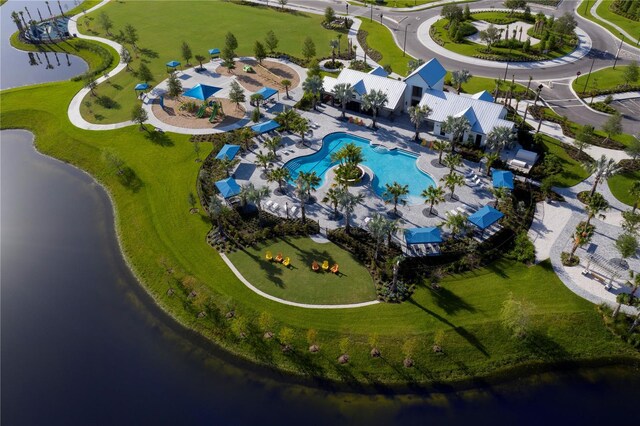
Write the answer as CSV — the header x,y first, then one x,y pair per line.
x,y
381,16
618,52
404,45
371,17
588,75
347,10
538,94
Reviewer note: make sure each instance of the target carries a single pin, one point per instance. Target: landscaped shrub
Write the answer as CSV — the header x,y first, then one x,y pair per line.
x,y
372,53
107,102
603,107
568,260
305,103
106,58
359,65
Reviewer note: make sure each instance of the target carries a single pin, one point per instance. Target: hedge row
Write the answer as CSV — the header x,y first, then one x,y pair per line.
x,y
372,53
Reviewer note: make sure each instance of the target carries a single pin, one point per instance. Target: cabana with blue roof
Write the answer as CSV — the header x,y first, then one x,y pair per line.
x,y
266,127
502,179
172,65
228,187
228,151
485,217
266,92
431,235
214,52
201,91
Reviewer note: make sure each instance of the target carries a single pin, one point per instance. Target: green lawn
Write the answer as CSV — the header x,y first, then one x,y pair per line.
x,y
299,283
606,78
478,84
393,3
631,27
572,172
380,38
201,24
158,233
620,185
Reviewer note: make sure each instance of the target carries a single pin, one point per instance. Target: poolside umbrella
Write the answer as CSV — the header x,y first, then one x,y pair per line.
x,y
228,151
201,91
265,127
140,87
215,51
430,235
228,187
485,217
266,92
173,65
502,179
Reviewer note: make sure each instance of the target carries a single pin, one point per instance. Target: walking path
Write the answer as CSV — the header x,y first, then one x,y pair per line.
x,y
594,12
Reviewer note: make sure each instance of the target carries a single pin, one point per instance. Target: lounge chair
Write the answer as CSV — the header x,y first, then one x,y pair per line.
x,y
367,220
335,268
325,265
268,256
275,207
293,210
279,258
315,266
268,204
286,262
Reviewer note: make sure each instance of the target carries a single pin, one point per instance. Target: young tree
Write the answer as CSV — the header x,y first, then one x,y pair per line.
x,y
271,41
308,49
613,126
280,175
373,340
301,127
259,51
200,59
283,3
515,316
185,50
236,94
373,101
343,93
272,144
603,168
417,114
343,345
311,180
584,137
631,220
131,36
595,204
490,36
217,211
627,245
174,84
285,336
313,86
191,199
452,161
312,340
329,15
414,64
228,58
633,149
499,138
348,202
332,197
286,84
408,350
125,57
459,77
144,73
433,195
631,73
334,44
265,323
227,164
196,150
90,82
395,193
139,115
105,22
581,236
452,12
231,43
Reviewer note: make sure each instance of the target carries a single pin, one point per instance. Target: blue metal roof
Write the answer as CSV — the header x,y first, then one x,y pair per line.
x,y
423,235
359,88
173,64
228,151
215,51
379,71
502,179
485,217
201,91
141,86
265,127
431,72
483,96
228,187
267,92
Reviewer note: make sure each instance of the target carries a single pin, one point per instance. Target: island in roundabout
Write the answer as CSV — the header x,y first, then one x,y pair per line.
x,y
346,226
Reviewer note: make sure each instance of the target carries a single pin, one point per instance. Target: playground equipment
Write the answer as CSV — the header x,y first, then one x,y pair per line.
x,y
214,110
201,111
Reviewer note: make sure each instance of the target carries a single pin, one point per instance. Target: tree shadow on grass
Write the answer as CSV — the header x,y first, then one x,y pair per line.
x,y
450,302
159,138
496,268
273,271
541,345
308,256
129,179
149,53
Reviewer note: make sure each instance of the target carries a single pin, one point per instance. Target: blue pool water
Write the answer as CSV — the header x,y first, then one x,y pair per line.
x,y
388,166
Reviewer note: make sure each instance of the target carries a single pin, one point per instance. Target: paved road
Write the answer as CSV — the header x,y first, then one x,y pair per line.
x,y
560,96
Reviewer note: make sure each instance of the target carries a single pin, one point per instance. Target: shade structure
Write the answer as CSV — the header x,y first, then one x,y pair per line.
x,y
201,91
173,64
485,217
266,92
214,51
141,86
228,151
265,127
502,179
429,235
228,187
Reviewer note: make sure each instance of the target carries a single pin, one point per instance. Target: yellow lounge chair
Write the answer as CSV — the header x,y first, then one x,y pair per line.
x,y
269,256
286,262
334,268
325,265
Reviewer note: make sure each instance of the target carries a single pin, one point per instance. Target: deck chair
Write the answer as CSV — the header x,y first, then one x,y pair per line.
x,y
325,265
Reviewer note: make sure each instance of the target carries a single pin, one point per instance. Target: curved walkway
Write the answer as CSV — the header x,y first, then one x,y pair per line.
x,y
594,12
584,46
287,302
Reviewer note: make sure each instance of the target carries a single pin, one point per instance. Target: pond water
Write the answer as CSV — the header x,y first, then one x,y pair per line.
x,y
18,68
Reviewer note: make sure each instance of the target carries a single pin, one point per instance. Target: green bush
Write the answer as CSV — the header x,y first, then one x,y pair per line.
x,y
524,250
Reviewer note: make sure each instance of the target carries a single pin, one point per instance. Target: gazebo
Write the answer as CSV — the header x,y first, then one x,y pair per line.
x,y
228,151
267,92
485,217
201,91
172,65
429,237
141,87
214,52
266,127
502,179
228,187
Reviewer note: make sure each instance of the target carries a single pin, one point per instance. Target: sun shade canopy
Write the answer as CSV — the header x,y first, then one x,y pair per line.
x,y
201,91
228,187
228,151
265,127
485,217
423,235
502,179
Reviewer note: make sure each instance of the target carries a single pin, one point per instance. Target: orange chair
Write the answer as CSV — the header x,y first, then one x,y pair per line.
x,y
334,268
279,258
268,256
325,265
315,266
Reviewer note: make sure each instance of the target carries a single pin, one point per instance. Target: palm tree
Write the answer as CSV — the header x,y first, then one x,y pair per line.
x,y
391,227
227,164
603,169
377,226
634,191
440,146
257,195
200,60
286,83
302,191
452,180
491,157
313,85
374,100
332,197
287,119
301,126
256,98
456,127
595,204
417,114
452,161
348,202
334,44
217,211
582,236
395,193
343,93
280,176
264,160
458,78
457,224
272,144
311,179
433,195
499,138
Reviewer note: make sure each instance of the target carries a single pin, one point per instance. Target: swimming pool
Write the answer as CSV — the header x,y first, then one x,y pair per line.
x,y
388,166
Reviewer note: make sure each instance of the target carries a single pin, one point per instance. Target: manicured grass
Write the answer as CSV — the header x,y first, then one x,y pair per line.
x,y
620,185
393,3
299,283
380,38
203,25
572,171
606,78
158,234
478,84
631,27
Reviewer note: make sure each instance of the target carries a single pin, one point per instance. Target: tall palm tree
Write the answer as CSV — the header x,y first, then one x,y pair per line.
x,y
311,179
264,160
452,161
582,236
286,83
491,157
257,195
499,138
456,127
302,192
217,211
452,180
374,100
272,144
603,168
348,202
301,127
343,93
433,195
391,227
457,224
227,164
280,176
596,204
287,119
459,77
440,146
334,44
395,193
417,114
313,85
377,226
332,197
